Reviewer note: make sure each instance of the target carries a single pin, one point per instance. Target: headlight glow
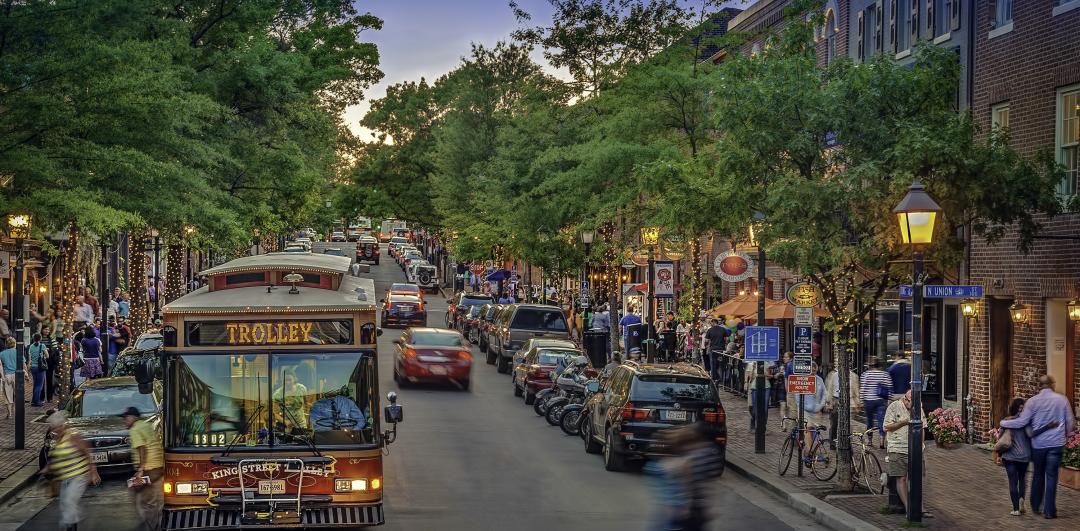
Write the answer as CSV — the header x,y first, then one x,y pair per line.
x,y
191,488
351,485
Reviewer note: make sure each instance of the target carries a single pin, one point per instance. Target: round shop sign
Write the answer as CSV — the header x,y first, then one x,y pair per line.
x,y
733,266
804,294
640,257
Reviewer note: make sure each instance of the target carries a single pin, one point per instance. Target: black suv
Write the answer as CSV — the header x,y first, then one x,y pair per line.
x,y
462,302
637,401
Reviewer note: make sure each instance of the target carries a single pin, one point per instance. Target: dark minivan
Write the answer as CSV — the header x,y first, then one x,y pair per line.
x,y
637,401
462,302
520,322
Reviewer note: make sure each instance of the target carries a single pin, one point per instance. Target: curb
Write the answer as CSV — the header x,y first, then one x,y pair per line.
x,y
15,483
818,510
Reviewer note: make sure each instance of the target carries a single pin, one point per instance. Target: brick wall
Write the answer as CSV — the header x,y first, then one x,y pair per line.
x,y
1024,67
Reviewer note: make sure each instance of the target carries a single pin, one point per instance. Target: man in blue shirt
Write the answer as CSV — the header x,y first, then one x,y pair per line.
x,y
900,372
629,319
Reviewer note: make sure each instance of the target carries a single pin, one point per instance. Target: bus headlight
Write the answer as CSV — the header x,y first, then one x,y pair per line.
x,y
350,485
192,488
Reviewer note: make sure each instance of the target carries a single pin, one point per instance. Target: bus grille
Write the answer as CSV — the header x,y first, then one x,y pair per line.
x,y
339,516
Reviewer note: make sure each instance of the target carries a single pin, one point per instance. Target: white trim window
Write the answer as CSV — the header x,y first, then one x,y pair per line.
x,y
999,116
830,37
1002,13
1068,138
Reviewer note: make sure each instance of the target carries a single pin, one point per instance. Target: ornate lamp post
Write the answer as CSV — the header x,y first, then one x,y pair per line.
x,y
18,227
587,236
650,236
916,215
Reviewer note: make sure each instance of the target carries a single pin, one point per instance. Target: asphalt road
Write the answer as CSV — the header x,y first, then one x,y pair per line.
x,y
473,460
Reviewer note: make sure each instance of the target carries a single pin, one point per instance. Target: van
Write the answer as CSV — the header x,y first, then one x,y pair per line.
x,y
520,322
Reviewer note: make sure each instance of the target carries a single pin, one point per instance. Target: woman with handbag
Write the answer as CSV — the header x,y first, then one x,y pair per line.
x,y
1013,451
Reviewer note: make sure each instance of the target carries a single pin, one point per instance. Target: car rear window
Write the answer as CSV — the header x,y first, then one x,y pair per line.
x,y
475,301
662,388
551,357
537,319
436,339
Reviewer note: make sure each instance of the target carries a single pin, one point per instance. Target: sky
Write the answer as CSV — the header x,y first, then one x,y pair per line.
x,y
428,38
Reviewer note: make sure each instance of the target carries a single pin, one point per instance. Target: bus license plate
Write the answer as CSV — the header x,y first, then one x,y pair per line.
x,y
674,415
100,457
272,486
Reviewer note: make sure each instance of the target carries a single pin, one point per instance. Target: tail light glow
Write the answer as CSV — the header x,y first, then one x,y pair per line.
x,y
410,352
629,412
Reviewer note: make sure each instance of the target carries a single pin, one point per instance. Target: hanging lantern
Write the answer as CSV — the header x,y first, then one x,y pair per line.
x,y
1020,313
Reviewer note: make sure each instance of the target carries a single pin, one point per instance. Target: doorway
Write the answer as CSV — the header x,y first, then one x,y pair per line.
x,y
1001,332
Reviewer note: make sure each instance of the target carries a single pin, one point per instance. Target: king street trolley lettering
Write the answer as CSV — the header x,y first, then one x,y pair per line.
x,y
288,333
270,468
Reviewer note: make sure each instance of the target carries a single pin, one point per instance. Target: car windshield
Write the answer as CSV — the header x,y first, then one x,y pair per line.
x,y
436,339
538,319
146,342
398,240
475,300
552,356
295,250
665,388
333,252
273,400
109,401
404,287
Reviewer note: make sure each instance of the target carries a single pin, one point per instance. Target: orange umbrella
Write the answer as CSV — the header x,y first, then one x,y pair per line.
x,y
782,309
737,306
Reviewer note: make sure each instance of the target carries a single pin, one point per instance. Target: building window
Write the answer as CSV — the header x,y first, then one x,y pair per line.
x,y
902,34
1068,138
999,116
1002,13
830,37
942,16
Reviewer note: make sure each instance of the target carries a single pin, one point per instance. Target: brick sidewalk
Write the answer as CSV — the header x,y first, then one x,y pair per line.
x,y
964,489
12,460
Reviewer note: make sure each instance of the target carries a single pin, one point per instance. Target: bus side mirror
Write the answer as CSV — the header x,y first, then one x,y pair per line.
x,y
144,375
393,413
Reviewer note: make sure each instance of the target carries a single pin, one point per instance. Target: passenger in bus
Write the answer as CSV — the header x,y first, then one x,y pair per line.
x,y
294,398
336,411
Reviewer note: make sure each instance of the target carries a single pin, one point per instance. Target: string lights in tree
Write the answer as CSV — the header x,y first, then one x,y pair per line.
x,y
174,272
140,296
68,287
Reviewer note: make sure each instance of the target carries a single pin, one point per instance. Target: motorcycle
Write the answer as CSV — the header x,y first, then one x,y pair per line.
x,y
572,414
572,391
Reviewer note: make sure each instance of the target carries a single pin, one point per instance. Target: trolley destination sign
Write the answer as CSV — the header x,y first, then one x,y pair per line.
x,y
280,333
269,332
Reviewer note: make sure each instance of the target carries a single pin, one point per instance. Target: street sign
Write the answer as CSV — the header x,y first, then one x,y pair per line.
x,y
804,340
762,343
802,385
804,315
584,289
938,291
802,365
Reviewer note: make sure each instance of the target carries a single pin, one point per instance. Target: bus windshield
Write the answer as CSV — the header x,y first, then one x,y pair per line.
x,y
277,400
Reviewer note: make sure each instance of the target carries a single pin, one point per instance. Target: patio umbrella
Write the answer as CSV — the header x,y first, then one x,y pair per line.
x,y
782,309
737,306
499,275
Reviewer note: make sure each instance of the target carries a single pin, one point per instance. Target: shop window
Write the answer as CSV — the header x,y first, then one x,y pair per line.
x,y
1068,138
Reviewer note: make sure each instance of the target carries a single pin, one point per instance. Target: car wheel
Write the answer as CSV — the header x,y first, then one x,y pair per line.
x,y
502,365
591,446
613,461
464,384
490,357
517,390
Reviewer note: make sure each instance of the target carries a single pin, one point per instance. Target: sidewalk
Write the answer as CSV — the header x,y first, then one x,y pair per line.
x,y
12,460
964,489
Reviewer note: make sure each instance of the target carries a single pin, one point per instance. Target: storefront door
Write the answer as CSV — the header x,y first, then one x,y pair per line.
x,y
1001,328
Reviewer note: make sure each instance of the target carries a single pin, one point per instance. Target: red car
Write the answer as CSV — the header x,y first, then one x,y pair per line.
x,y
403,310
536,360
432,355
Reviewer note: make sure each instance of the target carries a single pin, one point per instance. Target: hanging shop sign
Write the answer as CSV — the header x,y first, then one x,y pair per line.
x,y
804,294
733,266
664,280
640,257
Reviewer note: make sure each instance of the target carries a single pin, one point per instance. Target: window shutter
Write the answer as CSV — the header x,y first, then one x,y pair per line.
x,y
862,32
879,26
893,35
930,19
914,26
955,14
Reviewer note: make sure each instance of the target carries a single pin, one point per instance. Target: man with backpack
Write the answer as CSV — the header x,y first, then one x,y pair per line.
x,y
39,365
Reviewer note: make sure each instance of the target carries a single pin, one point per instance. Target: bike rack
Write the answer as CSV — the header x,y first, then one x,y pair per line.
x,y
272,501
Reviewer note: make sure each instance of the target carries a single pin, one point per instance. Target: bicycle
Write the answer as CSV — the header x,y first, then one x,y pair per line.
x,y
865,466
819,459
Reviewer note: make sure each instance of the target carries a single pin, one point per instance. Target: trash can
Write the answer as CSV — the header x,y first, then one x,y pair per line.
x,y
634,336
595,343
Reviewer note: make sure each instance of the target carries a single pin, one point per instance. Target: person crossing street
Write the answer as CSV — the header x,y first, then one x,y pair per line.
x,y
149,460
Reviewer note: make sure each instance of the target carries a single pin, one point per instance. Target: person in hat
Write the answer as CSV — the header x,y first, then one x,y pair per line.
x,y
149,459
69,464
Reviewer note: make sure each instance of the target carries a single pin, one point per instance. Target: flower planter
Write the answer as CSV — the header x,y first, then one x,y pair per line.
x,y
947,445
1069,477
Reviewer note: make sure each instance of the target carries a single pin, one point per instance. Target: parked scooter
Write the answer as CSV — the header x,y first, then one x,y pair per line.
x,y
571,385
572,414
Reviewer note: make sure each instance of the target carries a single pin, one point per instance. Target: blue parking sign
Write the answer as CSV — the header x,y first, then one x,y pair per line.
x,y
762,343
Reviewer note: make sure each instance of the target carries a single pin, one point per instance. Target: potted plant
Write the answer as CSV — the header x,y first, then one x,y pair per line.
x,y
1069,475
946,426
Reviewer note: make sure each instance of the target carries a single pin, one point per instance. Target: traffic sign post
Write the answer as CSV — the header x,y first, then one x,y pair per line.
x,y
802,384
804,340
762,343
802,365
804,315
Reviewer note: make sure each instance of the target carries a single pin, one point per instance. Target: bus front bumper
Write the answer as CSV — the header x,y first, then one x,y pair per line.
x,y
316,517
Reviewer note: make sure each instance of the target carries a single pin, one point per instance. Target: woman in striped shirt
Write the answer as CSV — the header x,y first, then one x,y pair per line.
x,y
71,465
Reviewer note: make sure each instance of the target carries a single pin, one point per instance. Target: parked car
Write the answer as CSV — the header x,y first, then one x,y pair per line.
x,y
402,288
333,251
93,410
522,322
461,303
538,357
403,310
487,319
296,248
637,401
402,250
338,236
425,275
367,250
130,358
148,340
470,328
432,354
306,242
409,257
395,242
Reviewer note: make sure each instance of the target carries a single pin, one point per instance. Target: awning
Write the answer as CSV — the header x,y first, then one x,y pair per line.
x,y
498,276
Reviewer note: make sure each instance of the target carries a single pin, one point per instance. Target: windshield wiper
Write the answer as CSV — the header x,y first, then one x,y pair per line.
x,y
289,414
247,424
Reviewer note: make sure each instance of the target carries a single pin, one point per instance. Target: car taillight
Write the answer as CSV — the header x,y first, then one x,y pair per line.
x,y
464,355
629,412
714,416
410,353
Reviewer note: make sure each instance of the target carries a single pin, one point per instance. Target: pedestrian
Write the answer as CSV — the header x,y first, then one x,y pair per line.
x,y
1043,409
874,391
812,407
900,372
91,354
602,319
751,387
5,329
69,464
684,479
39,364
83,313
788,409
715,345
123,334
7,378
89,298
124,305
625,323
897,418
832,399
149,460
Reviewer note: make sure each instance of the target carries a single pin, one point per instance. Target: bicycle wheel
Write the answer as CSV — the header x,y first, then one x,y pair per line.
x,y
871,474
785,455
823,461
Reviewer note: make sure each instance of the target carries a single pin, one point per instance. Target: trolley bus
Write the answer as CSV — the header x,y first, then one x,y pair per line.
x,y
272,398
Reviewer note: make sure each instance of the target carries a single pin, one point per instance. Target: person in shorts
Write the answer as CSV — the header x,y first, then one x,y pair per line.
x,y
897,420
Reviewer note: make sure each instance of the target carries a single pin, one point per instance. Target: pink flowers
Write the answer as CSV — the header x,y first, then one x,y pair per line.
x,y
1071,456
947,427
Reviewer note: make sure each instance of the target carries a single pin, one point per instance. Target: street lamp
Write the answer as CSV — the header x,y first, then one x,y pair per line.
x,y
916,215
587,236
1019,313
18,228
650,236
970,308
1074,310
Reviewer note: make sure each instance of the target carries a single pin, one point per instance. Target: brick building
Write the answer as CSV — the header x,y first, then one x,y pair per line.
x,y
1027,79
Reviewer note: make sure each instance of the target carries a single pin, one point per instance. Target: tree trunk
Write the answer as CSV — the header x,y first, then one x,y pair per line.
x,y
174,272
139,284
68,287
843,421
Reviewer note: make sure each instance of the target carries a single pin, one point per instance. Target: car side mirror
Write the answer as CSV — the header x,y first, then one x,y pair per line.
x,y
399,341
393,413
144,372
